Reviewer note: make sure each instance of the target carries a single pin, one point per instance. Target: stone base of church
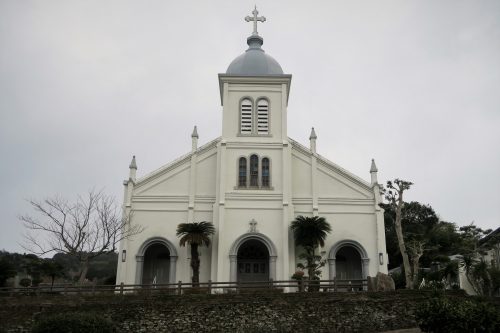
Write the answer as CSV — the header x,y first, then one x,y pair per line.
x,y
257,312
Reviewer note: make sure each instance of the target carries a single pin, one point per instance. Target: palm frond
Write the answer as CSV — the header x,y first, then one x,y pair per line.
x,y
310,231
195,233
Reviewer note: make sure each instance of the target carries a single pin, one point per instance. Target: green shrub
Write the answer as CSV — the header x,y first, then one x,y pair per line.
x,y
446,315
74,323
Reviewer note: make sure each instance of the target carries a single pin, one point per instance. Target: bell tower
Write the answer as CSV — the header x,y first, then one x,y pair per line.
x,y
254,154
254,94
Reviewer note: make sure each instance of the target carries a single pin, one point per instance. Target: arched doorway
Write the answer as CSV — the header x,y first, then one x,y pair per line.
x,y
156,268
348,259
253,261
348,263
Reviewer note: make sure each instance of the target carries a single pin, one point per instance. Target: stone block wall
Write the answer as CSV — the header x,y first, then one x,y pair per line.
x,y
252,312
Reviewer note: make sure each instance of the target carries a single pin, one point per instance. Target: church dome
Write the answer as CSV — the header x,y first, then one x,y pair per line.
x,y
254,61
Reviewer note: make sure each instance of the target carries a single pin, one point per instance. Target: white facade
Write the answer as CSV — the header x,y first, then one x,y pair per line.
x,y
251,208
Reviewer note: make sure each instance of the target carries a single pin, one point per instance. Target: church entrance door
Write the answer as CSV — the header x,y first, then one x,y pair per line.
x,y
348,263
253,261
156,265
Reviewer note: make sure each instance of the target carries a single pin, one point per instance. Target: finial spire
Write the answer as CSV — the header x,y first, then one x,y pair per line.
x,y
373,172
255,18
194,140
313,134
133,169
312,141
133,164
195,133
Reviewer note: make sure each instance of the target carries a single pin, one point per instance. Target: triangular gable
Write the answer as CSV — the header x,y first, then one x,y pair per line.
x,y
174,175
333,179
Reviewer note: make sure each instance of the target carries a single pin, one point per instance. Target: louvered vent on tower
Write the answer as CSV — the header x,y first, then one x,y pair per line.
x,y
263,117
246,116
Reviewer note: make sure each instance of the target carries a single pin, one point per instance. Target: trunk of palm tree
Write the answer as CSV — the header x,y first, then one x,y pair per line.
x,y
310,263
195,265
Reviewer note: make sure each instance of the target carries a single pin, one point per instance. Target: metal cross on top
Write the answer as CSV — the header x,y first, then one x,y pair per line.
x,y
255,19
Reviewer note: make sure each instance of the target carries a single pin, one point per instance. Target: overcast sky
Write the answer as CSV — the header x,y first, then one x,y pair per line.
x,y
84,85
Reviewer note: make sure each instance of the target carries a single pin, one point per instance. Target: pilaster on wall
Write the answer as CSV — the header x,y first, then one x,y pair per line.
x,y
121,271
379,216
314,184
220,206
284,116
288,213
192,186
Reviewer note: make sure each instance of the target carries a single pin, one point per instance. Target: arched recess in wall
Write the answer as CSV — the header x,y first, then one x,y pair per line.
x,y
142,251
233,253
341,246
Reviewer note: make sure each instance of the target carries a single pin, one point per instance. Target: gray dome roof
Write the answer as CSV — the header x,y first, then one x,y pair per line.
x,y
254,61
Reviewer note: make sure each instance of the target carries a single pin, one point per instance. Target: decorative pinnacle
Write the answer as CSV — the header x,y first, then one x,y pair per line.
x,y
373,167
313,134
255,19
133,164
195,133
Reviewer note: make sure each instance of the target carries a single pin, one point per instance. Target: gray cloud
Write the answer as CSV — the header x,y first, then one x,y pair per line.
x,y
86,84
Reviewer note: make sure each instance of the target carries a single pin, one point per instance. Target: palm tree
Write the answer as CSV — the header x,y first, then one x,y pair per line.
x,y
195,234
310,233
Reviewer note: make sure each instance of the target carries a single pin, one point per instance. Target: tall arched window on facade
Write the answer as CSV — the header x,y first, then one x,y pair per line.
x,y
262,117
246,116
254,170
265,172
242,172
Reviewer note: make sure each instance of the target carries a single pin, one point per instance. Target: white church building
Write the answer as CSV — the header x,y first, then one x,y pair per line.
x,y
251,182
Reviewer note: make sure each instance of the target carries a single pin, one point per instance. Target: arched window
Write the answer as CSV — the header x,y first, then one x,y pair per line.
x,y
246,116
262,117
242,172
265,172
254,170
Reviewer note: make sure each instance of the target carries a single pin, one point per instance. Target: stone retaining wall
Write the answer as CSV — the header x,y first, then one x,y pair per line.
x,y
253,312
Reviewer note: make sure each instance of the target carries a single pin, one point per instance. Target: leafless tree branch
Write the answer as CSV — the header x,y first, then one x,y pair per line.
x,y
85,229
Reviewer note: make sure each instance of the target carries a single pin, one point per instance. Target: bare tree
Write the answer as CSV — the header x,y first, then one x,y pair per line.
x,y
393,193
84,229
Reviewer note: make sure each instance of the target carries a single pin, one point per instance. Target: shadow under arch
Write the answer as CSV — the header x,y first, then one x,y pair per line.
x,y
233,253
139,258
348,243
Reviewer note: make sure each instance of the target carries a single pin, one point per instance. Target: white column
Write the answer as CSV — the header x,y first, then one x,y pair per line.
x,y
139,264
233,267
331,268
287,201
314,191
222,253
192,187
172,269
379,220
272,267
365,267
